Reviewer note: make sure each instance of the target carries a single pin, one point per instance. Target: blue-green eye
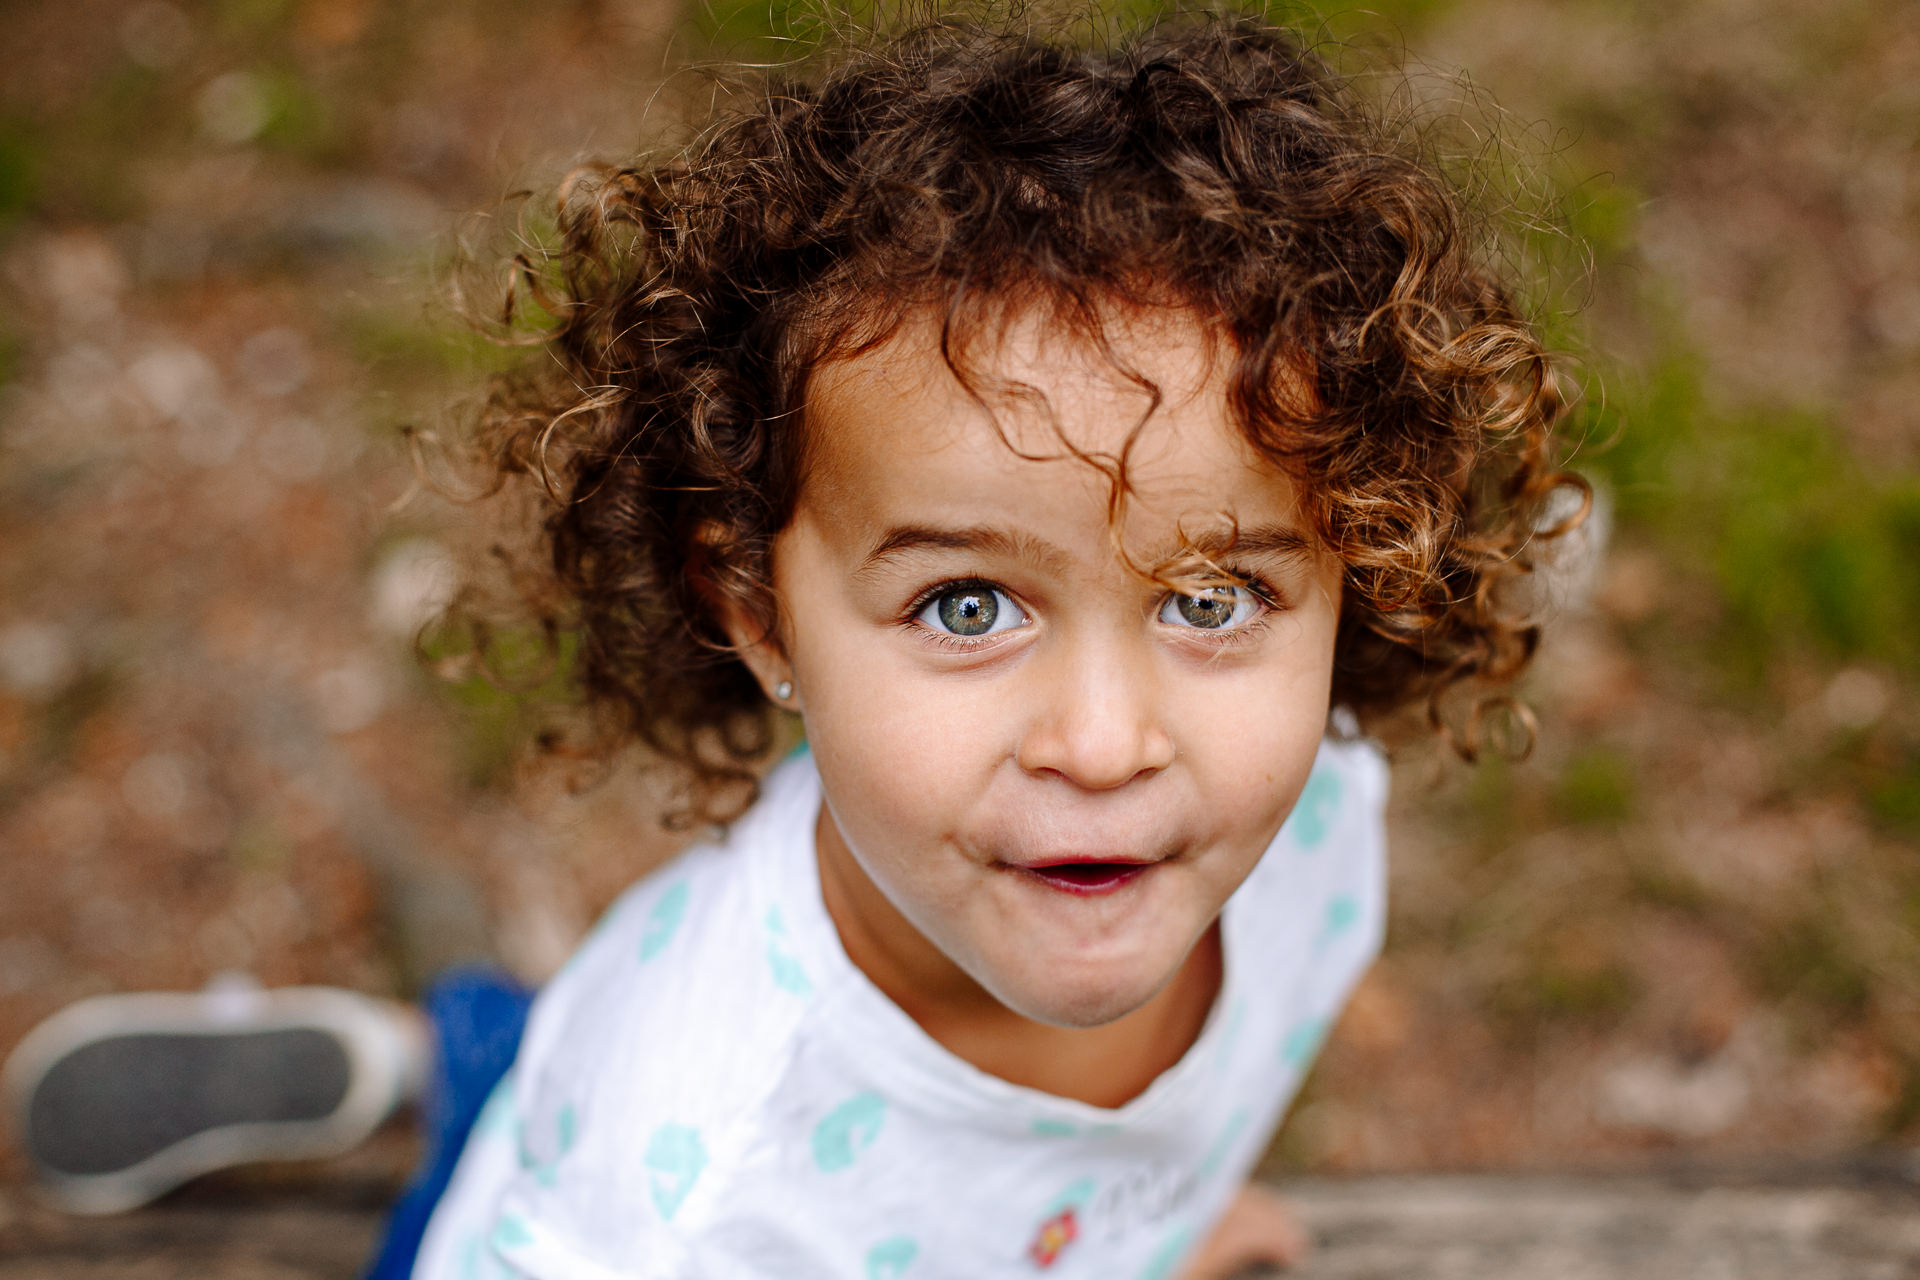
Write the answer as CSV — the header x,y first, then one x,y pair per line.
x,y
1214,609
972,609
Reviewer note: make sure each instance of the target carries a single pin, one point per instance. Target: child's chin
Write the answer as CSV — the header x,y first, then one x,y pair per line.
x,y
1076,1006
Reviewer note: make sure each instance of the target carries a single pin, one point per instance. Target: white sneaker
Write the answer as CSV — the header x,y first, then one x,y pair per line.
x,y
120,1098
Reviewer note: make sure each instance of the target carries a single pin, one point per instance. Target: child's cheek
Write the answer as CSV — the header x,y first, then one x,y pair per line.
x,y
1256,761
907,758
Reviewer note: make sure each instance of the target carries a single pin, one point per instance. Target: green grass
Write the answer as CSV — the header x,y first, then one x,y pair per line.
x,y
406,342
299,120
1596,789
259,845
1585,994
779,31
1563,984
1806,551
20,162
510,681
1893,798
1811,960
1657,883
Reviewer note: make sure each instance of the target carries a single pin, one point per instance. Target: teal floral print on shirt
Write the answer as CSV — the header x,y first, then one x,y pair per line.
x,y
1343,912
478,1261
675,1158
1217,1153
564,1127
511,1232
1303,1042
1312,817
546,1171
663,921
891,1257
496,1117
1047,1127
788,975
474,1262
847,1130
1167,1257
1076,1196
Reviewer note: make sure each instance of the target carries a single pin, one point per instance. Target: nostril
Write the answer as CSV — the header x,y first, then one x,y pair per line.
x,y
1098,726
1096,768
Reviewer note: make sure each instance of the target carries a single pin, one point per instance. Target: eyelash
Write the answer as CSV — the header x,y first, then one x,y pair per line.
x,y
1263,591
1270,603
910,616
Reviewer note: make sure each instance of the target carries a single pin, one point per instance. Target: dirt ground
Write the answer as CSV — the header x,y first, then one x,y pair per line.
x,y
1856,1221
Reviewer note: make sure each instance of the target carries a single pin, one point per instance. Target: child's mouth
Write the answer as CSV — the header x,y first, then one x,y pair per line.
x,y
1088,879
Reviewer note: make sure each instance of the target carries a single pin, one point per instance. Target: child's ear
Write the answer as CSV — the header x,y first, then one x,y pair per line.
x,y
747,617
756,642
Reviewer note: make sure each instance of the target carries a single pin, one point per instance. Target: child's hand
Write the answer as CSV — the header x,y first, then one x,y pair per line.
x,y
1258,1229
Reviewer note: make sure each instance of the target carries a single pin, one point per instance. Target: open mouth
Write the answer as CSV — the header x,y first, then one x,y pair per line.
x,y
1089,878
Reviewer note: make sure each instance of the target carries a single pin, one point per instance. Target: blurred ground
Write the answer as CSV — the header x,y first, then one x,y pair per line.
x,y
1487,1227
1839,1224
1690,925
310,1221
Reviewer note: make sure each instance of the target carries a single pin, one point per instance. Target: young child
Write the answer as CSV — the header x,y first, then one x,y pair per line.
x,y
1086,448
1071,441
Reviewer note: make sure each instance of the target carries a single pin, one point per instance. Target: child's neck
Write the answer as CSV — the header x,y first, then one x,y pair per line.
x,y
1105,1066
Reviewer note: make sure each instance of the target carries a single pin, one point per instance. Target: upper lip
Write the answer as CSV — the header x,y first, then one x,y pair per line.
x,y
1081,860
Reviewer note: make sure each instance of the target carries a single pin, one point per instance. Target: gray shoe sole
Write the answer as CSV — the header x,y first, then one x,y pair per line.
x,y
121,1098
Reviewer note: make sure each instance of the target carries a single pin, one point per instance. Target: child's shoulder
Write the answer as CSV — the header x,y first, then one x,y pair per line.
x,y
700,945
1345,795
666,1033
1329,859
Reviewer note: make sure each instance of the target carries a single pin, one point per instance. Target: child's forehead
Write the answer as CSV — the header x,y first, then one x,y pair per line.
x,y
895,429
1031,373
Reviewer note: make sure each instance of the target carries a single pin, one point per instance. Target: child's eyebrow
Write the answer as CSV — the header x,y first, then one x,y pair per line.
x,y
902,540
1261,540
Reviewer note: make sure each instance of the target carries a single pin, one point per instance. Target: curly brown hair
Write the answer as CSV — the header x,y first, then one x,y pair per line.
x,y
1212,164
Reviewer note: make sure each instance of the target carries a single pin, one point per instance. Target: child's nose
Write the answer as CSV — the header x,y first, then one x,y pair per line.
x,y
1095,718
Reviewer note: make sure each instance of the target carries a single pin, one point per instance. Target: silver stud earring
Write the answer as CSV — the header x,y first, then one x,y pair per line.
x,y
783,691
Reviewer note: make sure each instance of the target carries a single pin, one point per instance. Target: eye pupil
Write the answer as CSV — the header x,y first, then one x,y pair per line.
x,y
1209,611
968,613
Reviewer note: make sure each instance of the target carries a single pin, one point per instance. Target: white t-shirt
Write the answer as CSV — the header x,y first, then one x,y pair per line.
x,y
710,1090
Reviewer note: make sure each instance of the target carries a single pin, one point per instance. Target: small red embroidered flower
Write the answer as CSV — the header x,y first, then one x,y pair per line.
x,y
1055,1234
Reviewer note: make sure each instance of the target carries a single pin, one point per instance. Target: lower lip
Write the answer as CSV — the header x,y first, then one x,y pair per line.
x,y
1089,880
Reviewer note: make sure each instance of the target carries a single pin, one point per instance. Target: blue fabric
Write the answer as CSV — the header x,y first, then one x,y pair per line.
x,y
478,1016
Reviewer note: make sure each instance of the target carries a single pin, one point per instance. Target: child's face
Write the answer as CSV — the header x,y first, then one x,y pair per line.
x,y
1044,774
